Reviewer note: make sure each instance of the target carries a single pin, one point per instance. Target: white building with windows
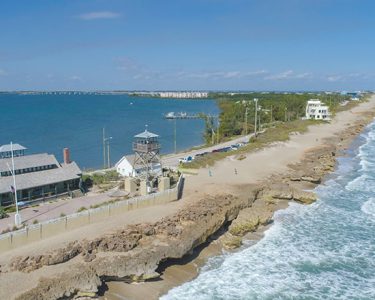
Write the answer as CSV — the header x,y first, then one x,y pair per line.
x,y
317,110
38,176
125,167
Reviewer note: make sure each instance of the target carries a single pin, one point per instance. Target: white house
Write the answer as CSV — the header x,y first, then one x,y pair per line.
x,y
125,167
317,110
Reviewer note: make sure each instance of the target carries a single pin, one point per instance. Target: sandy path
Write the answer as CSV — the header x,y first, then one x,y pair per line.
x,y
257,166
275,159
172,160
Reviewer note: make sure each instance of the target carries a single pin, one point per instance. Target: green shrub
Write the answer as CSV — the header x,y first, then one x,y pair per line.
x,y
10,209
100,178
82,208
3,213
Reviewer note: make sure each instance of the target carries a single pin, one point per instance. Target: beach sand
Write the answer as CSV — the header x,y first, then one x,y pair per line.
x,y
256,168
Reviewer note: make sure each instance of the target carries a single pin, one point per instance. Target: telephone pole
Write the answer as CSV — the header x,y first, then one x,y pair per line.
x,y
256,116
286,109
104,154
175,135
107,140
217,131
17,216
246,110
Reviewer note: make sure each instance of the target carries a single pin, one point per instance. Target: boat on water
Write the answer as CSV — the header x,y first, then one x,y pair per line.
x,y
180,115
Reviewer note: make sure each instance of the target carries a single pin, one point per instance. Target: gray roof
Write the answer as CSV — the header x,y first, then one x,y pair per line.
x,y
130,159
36,179
16,147
28,161
146,135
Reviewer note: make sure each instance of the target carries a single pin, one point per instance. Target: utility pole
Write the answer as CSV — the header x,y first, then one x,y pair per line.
x,y
17,216
260,110
256,116
175,135
246,110
212,136
108,140
109,160
104,155
286,109
218,129
271,114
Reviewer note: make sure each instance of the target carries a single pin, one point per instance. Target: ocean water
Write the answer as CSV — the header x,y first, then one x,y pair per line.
x,y
48,123
322,251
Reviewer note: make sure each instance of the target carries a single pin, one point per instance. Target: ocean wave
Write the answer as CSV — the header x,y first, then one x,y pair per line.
x,y
369,207
321,251
362,183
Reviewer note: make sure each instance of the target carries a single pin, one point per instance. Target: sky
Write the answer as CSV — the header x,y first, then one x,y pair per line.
x,y
187,45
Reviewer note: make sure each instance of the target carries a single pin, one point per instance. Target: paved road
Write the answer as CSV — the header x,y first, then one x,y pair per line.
x,y
172,160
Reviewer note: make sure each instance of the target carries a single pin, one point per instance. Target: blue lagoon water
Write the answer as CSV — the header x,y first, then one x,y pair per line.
x,y
48,123
321,251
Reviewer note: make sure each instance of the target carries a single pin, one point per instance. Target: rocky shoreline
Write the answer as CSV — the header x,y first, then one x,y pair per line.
x,y
133,254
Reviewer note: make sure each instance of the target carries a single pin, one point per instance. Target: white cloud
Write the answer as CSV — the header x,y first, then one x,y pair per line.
x,y
221,74
348,76
99,15
280,76
75,78
289,74
334,78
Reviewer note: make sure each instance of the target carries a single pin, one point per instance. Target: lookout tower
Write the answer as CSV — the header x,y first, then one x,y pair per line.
x,y
146,149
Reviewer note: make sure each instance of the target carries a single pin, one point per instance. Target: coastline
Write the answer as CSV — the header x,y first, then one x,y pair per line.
x,y
209,210
187,268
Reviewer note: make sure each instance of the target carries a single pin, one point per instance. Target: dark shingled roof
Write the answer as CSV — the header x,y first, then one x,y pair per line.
x,y
64,172
28,161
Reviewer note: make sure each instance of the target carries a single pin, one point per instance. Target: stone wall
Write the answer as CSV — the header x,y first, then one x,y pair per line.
x,y
32,233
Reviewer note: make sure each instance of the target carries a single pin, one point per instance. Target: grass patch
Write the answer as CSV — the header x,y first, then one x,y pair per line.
x,y
10,209
106,203
3,213
100,178
280,132
82,208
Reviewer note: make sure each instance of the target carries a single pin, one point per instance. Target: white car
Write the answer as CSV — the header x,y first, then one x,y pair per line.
x,y
186,159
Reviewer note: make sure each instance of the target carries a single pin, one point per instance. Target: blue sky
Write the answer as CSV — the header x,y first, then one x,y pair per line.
x,y
187,44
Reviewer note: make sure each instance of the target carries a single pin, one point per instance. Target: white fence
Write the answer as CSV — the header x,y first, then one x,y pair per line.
x,y
49,228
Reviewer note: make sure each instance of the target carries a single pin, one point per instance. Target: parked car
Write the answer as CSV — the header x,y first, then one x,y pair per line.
x,y
186,159
201,154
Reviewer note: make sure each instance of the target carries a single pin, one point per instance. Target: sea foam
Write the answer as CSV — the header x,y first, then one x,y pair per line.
x,y
321,251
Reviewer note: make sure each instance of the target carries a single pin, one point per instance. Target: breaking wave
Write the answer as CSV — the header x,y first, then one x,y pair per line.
x,y
322,251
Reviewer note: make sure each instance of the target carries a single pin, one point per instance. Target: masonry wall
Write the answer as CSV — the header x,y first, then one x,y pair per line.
x,y
32,233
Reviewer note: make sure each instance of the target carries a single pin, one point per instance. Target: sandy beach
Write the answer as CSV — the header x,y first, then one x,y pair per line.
x,y
256,168
261,167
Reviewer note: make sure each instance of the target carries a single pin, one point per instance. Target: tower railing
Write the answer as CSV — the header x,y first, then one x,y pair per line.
x,y
151,147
